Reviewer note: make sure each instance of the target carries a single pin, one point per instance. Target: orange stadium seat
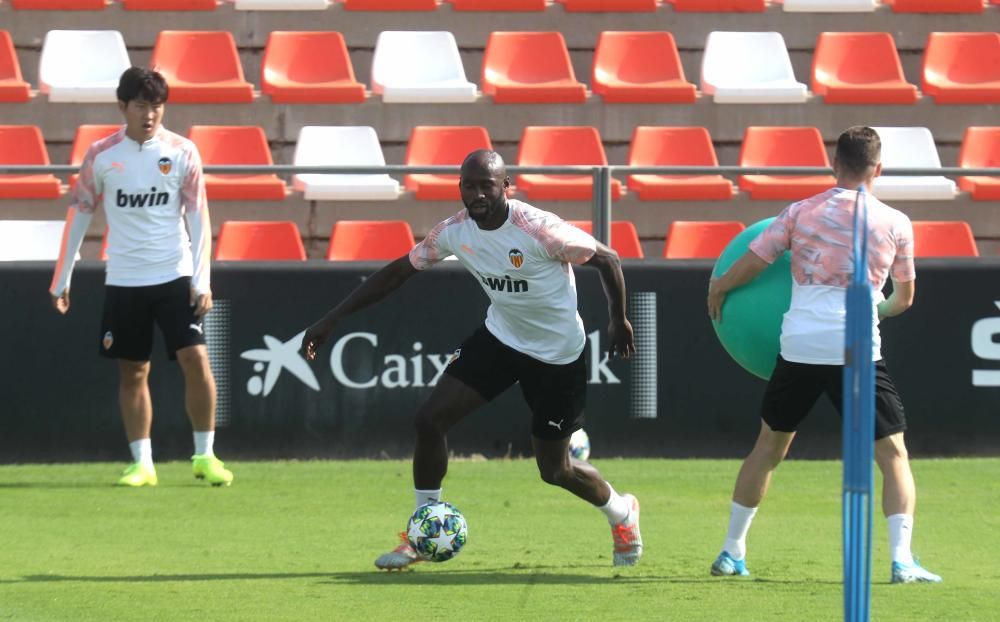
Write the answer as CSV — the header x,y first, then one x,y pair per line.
x,y
962,67
676,146
13,88
553,146
935,6
640,67
201,67
59,5
169,5
246,240
498,5
783,146
699,239
609,6
624,237
530,67
243,144
438,145
309,68
369,240
87,135
23,144
980,149
390,5
718,6
859,68
933,238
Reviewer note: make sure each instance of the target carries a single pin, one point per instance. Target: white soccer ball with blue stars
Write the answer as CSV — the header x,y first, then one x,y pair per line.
x,y
437,531
579,445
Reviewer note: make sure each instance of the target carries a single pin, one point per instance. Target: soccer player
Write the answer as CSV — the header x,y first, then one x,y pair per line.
x,y
818,233
149,182
533,335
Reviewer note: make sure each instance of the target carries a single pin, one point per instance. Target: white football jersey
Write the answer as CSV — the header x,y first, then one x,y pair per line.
x,y
524,268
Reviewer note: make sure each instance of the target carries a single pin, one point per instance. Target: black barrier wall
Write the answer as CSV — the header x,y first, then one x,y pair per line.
x,y
682,397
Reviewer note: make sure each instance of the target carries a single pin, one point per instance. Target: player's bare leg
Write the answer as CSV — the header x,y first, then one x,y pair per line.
x,y
137,416
199,399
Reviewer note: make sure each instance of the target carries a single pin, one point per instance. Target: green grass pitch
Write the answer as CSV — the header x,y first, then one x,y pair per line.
x,y
295,541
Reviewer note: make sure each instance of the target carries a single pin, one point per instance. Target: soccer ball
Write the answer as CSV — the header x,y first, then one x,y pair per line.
x,y
437,531
579,445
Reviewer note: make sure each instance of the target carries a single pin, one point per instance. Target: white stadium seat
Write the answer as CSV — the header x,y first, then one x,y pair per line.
x,y
30,240
829,6
82,65
341,146
281,5
416,67
749,68
910,147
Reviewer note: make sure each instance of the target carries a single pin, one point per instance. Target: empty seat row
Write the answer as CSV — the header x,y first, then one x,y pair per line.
x,y
601,6
518,67
902,147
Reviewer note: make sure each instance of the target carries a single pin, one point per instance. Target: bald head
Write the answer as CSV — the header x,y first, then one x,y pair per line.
x,y
484,161
483,185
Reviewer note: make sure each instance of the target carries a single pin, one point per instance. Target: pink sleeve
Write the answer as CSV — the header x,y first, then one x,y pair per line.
x,y
87,189
561,240
431,249
193,198
776,238
902,264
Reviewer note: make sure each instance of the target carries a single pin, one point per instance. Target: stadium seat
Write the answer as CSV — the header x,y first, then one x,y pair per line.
x,y
859,68
608,6
390,5
676,146
640,67
441,145
419,67
23,144
829,6
169,5
201,67
980,149
341,146
281,5
554,146
749,68
31,240
498,5
530,67
784,146
962,67
718,6
369,240
82,65
243,144
85,136
935,6
699,239
933,238
624,237
13,88
59,5
247,240
309,68
910,147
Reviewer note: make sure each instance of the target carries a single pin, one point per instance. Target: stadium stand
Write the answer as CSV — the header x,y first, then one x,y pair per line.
x,y
259,241
524,67
82,65
23,144
309,68
910,147
624,237
860,68
547,146
640,67
201,67
236,145
420,67
676,146
369,240
783,146
980,148
30,240
441,145
749,68
935,238
692,239
962,67
342,146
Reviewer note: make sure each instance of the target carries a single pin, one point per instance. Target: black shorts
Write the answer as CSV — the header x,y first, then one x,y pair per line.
x,y
130,312
795,387
556,394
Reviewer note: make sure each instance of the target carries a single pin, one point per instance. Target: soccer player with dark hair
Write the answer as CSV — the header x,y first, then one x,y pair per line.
x,y
149,183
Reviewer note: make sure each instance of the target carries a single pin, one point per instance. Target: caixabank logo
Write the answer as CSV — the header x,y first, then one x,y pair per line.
x,y
985,339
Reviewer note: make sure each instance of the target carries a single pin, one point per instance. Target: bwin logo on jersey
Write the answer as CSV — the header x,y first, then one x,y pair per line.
x,y
516,257
504,284
148,199
165,165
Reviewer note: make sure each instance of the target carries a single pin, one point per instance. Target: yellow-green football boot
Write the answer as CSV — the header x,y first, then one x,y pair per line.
x,y
212,470
138,474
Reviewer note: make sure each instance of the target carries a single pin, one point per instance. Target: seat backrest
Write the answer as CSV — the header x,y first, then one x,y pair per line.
x,y
59,5
696,239
936,6
305,57
371,240
83,57
783,146
259,241
608,6
745,58
197,56
718,6
30,240
528,57
829,6
231,144
561,145
10,69
665,146
87,135
445,144
933,238
169,5
963,57
497,5
637,57
413,57
22,144
908,147
855,57
624,237
344,145
980,148
390,5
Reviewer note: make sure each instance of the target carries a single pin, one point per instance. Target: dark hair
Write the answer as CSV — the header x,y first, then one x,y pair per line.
x,y
859,149
142,83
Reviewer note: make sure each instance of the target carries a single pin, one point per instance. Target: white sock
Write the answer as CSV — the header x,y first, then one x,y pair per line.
x,y
426,496
142,451
203,443
616,509
740,518
900,534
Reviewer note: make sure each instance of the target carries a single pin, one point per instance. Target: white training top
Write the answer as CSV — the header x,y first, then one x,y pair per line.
x,y
524,268
144,189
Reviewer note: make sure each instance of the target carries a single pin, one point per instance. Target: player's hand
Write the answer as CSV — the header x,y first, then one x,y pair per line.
x,y
202,303
622,339
715,299
61,302
316,335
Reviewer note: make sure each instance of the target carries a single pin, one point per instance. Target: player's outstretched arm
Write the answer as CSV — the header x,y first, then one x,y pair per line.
x,y
375,288
740,273
899,300
609,266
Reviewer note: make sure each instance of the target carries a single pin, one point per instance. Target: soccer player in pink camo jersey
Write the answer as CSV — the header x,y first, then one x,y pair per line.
x,y
149,183
818,232
533,335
